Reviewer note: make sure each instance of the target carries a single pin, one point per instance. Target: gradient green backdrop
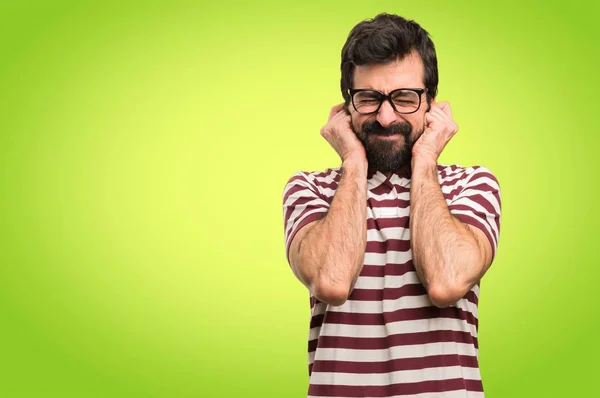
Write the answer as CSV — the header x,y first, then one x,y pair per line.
x,y
143,153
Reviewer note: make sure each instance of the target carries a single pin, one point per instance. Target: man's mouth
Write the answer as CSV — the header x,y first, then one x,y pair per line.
x,y
386,135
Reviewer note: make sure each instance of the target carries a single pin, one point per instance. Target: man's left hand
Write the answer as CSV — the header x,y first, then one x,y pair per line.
x,y
439,129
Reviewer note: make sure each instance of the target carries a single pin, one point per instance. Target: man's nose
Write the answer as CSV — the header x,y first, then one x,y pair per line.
x,y
386,114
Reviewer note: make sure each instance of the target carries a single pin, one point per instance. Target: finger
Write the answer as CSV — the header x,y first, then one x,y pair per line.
x,y
430,119
441,114
445,107
446,119
340,117
335,110
436,116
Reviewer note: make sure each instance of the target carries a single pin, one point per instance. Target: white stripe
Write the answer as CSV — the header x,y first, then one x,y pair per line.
x,y
447,189
318,309
397,352
400,376
303,193
401,181
391,257
389,196
384,234
475,290
480,178
387,281
387,212
468,306
454,177
302,182
381,235
392,328
378,307
488,196
311,357
291,222
405,302
471,190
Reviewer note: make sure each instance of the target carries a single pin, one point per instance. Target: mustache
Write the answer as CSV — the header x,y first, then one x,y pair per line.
x,y
374,127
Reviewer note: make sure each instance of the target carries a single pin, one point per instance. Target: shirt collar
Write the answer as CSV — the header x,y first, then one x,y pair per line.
x,y
376,177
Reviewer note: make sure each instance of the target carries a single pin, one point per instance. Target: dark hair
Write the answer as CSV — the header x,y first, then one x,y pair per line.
x,y
383,39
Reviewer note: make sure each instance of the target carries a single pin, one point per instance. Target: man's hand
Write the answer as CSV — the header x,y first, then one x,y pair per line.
x,y
439,129
338,132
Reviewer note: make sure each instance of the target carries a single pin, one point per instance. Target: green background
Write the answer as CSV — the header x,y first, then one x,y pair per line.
x,y
144,148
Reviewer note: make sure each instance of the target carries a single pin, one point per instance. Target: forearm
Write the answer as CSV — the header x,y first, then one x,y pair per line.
x,y
333,251
445,252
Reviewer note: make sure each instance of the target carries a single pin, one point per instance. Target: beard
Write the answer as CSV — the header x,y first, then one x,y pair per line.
x,y
386,155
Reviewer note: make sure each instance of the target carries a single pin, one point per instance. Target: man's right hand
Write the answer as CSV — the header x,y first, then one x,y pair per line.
x,y
338,132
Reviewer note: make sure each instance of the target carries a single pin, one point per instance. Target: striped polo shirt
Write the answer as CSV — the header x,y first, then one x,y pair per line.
x,y
388,339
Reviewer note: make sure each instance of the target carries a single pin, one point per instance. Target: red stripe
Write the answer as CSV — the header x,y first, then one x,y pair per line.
x,y
382,189
472,297
482,186
453,194
398,245
401,203
451,180
387,222
400,189
293,190
328,172
317,321
302,202
480,200
481,173
415,289
307,186
443,172
312,344
404,314
380,271
395,340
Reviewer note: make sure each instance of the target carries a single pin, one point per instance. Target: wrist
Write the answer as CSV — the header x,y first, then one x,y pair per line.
x,y
355,164
423,163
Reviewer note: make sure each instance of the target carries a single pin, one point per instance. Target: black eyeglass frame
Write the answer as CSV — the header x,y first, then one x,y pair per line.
x,y
383,97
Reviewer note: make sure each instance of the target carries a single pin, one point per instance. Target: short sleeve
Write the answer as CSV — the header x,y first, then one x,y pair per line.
x,y
479,204
302,204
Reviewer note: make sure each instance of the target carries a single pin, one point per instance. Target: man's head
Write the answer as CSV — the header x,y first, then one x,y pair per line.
x,y
385,54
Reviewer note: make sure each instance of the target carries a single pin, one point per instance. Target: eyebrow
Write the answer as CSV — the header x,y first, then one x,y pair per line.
x,y
403,91
371,91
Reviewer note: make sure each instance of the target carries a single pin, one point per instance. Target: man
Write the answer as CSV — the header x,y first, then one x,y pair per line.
x,y
391,244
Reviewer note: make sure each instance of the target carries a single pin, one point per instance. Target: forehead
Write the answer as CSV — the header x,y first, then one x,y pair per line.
x,y
386,77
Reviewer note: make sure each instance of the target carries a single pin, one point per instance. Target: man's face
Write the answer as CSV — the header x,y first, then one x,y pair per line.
x,y
388,137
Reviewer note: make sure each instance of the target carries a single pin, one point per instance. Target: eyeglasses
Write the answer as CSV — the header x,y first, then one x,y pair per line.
x,y
403,100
